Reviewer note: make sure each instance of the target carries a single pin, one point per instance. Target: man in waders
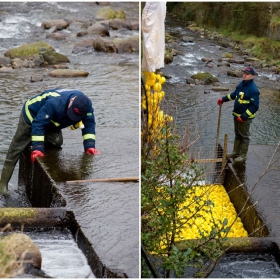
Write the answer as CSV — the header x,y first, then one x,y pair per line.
x,y
40,122
246,96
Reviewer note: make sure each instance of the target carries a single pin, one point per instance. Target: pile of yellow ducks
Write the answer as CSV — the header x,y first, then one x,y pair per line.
x,y
210,215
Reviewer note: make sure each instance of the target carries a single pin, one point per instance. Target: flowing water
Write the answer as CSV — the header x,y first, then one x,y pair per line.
x,y
61,257
191,105
112,85
195,108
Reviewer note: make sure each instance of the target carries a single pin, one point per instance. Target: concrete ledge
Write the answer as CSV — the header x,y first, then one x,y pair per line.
x,y
32,218
42,192
40,187
234,185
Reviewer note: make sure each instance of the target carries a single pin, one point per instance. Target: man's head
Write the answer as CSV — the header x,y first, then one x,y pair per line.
x,y
78,107
248,74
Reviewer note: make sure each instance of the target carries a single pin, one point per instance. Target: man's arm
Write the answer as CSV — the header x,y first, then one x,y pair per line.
x,y
88,132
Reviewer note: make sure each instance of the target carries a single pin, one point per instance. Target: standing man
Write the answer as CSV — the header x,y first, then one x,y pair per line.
x,y
246,96
41,120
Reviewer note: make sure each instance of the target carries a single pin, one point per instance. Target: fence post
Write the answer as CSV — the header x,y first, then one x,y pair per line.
x,y
224,161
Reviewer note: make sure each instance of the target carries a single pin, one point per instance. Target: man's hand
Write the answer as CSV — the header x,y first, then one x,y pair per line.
x,y
92,151
220,101
35,154
239,119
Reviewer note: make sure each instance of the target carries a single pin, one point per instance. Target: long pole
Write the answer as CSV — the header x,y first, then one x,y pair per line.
x,y
124,179
218,131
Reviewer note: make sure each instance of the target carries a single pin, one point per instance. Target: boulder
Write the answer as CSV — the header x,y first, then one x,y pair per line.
x,y
235,73
4,61
26,50
52,57
56,36
109,13
82,33
60,66
187,39
62,73
134,25
21,246
125,45
103,45
36,78
117,24
237,61
205,77
83,46
58,23
6,69
98,29
223,63
220,89
17,63
207,59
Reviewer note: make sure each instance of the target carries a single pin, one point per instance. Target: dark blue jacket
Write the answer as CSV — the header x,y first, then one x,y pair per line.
x,y
246,96
48,111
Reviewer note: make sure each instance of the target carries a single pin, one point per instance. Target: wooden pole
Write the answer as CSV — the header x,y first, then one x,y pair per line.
x,y
124,179
218,130
224,157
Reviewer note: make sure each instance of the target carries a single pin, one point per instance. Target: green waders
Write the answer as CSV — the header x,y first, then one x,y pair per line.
x,y
242,140
19,143
236,149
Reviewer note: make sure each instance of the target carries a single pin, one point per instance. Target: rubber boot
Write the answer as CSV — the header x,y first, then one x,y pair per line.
x,y
236,149
243,153
5,178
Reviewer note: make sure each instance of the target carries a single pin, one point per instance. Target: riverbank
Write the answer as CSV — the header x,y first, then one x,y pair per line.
x,y
263,47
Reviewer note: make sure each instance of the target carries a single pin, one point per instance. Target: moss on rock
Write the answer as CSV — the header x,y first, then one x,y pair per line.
x,y
27,50
109,13
206,77
10,213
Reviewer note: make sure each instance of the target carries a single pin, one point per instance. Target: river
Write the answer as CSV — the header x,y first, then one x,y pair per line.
x,y
195,111
112,85
191,104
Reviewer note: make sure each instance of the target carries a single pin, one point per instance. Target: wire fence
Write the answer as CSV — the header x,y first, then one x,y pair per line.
x,y
209,157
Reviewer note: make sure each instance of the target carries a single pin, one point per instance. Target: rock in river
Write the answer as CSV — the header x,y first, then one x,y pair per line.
x,y
60,73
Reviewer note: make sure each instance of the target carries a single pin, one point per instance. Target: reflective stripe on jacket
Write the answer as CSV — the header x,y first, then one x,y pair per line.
x,y
246,96
48,111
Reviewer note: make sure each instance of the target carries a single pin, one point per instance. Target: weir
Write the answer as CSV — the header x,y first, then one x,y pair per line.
x,y
252,190
49,211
